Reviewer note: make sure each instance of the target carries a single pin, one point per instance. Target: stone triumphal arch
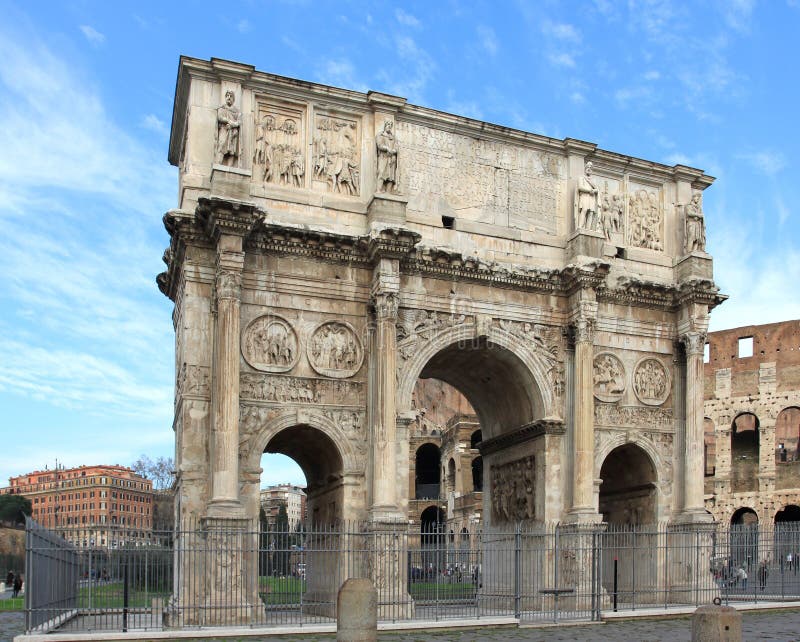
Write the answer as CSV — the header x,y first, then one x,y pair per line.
x,y
331,247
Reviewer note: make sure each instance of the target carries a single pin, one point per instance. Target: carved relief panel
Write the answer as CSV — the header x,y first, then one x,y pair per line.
x,y
282,389
609,378
651,381
645,218
513,490
611,210
336,155
334,350
279,150
270,344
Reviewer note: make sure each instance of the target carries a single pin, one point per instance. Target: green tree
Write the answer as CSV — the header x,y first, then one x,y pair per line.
x,y
283,540
13,508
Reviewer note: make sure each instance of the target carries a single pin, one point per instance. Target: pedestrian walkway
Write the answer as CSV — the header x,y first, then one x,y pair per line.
x,y
775,626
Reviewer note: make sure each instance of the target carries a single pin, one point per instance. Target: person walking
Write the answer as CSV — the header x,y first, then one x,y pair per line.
x,y
17,585
10,579
741,577
763,573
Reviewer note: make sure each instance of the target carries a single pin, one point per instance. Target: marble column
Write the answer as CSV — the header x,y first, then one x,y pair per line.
x,y
694,342
225,500
583,437
384,380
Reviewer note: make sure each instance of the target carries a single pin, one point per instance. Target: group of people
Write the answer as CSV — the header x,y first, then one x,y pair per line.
x,y
14,580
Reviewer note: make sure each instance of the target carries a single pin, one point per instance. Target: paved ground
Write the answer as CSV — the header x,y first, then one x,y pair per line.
x,y
757,626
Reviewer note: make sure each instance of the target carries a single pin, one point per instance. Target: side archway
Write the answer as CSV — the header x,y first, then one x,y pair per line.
x,y
628,489
321,449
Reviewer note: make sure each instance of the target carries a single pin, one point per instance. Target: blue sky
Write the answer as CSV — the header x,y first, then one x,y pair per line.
x,y
86,90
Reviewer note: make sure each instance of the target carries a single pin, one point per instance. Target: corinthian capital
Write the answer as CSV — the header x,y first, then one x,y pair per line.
x,y
584,329
386,304
694,342
228,284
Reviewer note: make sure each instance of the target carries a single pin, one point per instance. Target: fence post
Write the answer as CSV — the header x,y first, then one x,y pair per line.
x,y
594,574
517,570
125,593
615,583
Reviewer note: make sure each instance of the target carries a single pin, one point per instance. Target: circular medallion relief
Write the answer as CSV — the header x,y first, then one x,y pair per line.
x,y
651,382
608,377
334,350
270,344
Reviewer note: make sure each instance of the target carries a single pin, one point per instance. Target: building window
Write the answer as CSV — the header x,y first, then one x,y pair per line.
x,y
745,347
707,353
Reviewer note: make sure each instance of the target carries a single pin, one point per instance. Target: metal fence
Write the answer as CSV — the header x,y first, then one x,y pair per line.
x,y
208,575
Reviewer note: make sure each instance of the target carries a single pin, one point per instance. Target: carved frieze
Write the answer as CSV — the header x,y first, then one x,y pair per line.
x,y
415,327
350,422
651,381
614,415
609,377
337,154
611,210
278,152
334,350
280,389
513,490
269,343
194,381
646,220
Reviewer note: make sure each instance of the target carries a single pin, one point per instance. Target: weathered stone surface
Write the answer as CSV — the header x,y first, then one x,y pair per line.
x,y
357,611
713,623
331,248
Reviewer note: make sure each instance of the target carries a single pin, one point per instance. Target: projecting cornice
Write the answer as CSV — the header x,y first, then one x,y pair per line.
x,y
533,430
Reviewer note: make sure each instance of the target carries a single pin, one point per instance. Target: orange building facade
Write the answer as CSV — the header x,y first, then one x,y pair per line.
x,y
93,505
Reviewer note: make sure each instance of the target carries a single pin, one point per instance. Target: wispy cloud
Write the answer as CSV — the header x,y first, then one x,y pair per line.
x,y
155,124
560,31
342,73
244,26
488,39
92,35
562,59
765,161
405,18
410,78
83,327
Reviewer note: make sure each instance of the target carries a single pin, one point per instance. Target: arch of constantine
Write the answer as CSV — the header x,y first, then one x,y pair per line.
x,y
331,248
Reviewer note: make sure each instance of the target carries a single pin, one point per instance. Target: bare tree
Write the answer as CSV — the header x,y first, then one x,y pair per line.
x,y
159,471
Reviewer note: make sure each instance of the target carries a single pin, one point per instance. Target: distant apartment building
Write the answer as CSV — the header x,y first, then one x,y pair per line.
x,y
104,506
293,496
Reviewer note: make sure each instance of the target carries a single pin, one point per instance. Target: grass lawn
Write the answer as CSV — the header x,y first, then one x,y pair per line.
x,y
442,590
12,604
111,596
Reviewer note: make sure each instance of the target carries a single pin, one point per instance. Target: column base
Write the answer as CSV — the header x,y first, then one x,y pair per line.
x,y
582,515
225,509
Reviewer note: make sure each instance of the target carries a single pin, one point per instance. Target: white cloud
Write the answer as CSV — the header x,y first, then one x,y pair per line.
x,y
765,161
560,31
92,35
577,97
412,75
341,73
406,18
488,39
636,95
470,109
562,59
652,74
243,26
155,124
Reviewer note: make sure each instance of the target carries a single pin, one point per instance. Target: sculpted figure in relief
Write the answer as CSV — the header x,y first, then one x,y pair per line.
x,y
609,378
610,214
229,120
513,490
695,225
387,158
587,197
270,344
645,220
335,156
651,382
263,150
334,350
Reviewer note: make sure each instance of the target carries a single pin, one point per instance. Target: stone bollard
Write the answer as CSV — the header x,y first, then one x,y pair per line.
x,y
357,611
715,623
